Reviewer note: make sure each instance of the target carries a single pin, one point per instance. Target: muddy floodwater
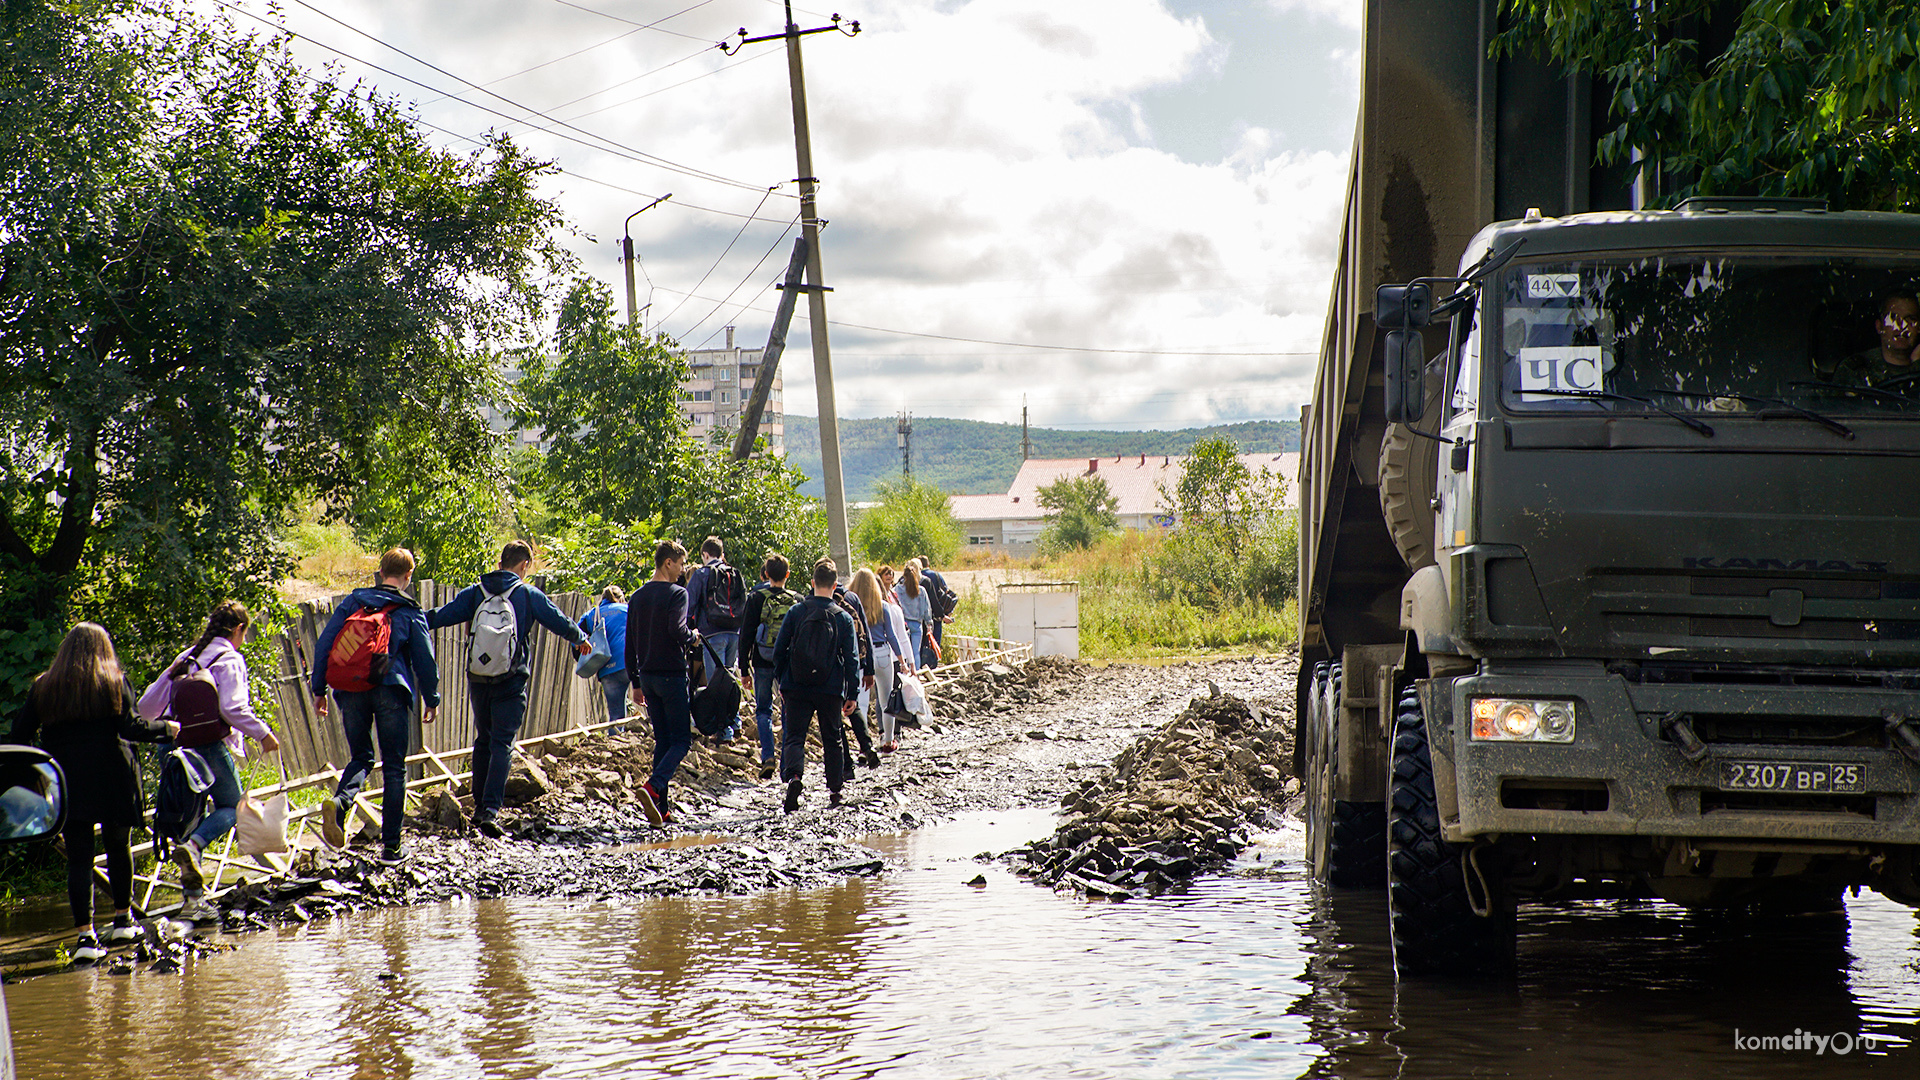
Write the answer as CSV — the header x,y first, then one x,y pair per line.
x,y
1253,973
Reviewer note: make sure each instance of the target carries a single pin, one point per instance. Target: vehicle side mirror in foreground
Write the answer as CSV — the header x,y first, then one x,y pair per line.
x,y
1406,376
33,795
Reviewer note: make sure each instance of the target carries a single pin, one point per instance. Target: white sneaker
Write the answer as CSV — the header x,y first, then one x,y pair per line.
x,y
87,950
195,909
121,935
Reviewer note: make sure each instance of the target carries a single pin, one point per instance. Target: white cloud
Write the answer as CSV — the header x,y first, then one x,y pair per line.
x,y
1344,12
986,173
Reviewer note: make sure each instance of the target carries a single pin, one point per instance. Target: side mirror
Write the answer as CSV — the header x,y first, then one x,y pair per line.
x,y
33,795
1406,377
1403,307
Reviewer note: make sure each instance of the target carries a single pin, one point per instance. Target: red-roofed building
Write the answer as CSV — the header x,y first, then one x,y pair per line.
x,y
1013,521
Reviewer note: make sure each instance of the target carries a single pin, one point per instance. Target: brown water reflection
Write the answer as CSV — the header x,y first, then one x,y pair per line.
x,y
912,975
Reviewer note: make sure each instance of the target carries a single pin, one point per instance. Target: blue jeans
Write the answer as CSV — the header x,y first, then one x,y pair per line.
x,y
225,794
727,645
382,713
763,690
617,686
498,710
672,717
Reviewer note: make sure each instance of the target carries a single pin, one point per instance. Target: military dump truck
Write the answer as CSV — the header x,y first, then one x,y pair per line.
x,y
1610,523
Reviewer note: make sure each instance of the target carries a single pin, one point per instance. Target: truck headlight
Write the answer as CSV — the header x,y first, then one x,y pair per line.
x,y
1522,720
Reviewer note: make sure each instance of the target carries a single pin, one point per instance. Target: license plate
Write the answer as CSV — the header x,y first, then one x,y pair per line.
x,y
1793,776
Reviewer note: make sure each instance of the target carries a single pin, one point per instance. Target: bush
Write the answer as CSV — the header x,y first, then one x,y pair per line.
x,y
1081,510
912,519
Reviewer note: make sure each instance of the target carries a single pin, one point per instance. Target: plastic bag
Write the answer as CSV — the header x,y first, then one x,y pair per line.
x,y
598,654
913,696
261,827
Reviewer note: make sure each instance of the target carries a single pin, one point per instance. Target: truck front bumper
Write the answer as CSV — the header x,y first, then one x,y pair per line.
x,y
1650,788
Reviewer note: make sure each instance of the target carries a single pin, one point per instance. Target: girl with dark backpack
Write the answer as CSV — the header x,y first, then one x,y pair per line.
x,y
81,710
206,693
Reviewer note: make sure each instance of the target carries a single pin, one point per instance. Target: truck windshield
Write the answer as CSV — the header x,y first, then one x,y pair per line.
x,y
1712,333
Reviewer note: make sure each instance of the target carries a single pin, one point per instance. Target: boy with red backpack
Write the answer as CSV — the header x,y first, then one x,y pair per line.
x,y
376,655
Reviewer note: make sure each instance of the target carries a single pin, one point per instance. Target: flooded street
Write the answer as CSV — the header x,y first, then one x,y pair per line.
x,y
915,974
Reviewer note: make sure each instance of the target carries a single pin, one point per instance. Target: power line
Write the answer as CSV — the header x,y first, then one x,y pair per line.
x,y
638,154
630,22
748,276
660,90
617,37
716,263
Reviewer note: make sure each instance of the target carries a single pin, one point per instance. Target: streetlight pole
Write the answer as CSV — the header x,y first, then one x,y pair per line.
x,y
626,249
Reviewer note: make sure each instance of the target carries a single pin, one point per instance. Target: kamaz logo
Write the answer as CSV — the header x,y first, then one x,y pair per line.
x,y
1787,564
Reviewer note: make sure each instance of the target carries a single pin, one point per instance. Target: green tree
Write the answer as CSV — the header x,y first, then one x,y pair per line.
x,y
607,402
221,281
912,519
753,506
1081,510
450,516
1235,541
1808,98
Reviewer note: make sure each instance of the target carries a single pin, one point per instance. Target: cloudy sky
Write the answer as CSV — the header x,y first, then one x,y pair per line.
x,y
1150,189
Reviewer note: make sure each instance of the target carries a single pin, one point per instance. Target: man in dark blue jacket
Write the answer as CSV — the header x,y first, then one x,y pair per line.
x,y
500,701
817,660
380,712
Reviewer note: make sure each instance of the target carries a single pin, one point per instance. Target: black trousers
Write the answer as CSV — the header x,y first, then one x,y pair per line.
x,y
78,838
795,721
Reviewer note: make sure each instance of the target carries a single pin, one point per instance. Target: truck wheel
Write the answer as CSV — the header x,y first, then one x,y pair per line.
x,y
1408,465
1431,912
1346,840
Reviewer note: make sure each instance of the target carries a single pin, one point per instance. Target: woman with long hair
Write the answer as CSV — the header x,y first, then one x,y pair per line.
x,y
904,660
218,654
917,607
81,710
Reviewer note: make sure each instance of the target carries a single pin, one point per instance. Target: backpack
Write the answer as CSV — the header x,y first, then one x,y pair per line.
x,y
724,603
360,658
493,637
196,708
940,599
716,708
181,801
815,652
773,612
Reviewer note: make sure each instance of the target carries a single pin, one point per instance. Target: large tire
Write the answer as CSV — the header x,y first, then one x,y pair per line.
x,y
1434,927
1346,841
1408,470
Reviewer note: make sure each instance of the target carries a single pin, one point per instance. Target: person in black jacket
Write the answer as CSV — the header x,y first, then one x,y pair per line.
x,y
828,691
81,710
379,711
658,637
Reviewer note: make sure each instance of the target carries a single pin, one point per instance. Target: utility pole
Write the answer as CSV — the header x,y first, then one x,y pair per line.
x,y
905,428
770,359
1026,441
816,289
626,250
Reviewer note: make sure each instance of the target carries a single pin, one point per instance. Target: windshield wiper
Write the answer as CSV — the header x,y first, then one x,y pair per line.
x,y
1608,395
1827,422
1870,391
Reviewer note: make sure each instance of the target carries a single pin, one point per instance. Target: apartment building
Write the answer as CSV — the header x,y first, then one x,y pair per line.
x,y
721,380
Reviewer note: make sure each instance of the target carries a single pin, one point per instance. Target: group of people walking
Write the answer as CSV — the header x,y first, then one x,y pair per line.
x,y
832,650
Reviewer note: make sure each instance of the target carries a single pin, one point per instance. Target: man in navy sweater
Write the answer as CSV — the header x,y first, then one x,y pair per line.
x,y
817,660
380,712
500,701
658,638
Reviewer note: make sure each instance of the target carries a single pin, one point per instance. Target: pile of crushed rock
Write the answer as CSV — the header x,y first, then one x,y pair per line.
x,y
995,689
1175,803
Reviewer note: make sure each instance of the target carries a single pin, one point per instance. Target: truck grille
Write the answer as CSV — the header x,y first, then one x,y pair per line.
x,y
1645,607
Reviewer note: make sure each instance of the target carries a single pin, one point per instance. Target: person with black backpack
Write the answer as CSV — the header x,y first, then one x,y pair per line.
x,y
717,606
81,711
376,655
817,660
767,606
941,602
206,692
499,611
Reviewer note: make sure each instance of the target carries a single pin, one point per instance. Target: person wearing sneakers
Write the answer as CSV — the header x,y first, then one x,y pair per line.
x,y
658,639
80,710
767,607
817,660
217,653
376,688
499,612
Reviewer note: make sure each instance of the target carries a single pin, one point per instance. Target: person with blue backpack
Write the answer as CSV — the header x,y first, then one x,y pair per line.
x,y
817,660
611,615
498,612
376,655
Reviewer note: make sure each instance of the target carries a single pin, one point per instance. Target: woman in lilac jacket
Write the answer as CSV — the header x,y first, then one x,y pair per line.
x,y
218,653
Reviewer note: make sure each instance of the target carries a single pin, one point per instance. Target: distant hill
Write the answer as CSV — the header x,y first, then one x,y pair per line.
x,y
971,457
